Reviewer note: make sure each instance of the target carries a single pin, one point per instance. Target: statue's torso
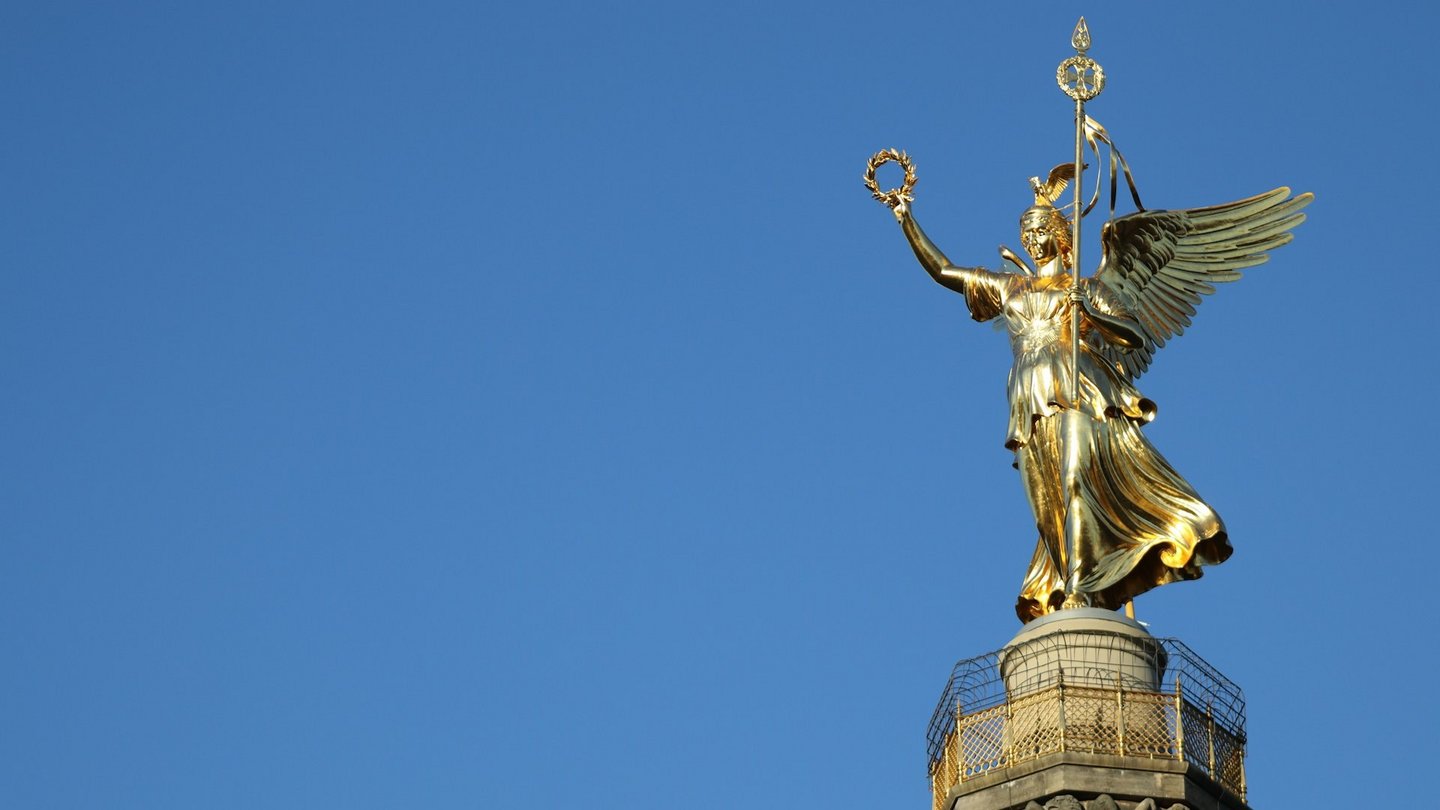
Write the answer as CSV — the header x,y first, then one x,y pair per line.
x,y
1036,316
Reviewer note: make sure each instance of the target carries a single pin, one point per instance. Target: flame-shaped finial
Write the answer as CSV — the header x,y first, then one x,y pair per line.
x,y
1081,38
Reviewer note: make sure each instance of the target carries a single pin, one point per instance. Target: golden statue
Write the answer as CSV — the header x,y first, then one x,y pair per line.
x,y
1114,518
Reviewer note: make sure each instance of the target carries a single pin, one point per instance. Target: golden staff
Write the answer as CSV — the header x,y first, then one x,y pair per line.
x,y
1082,79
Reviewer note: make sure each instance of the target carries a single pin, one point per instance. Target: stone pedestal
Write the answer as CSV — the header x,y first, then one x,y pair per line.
x,y
1128,782
1089,647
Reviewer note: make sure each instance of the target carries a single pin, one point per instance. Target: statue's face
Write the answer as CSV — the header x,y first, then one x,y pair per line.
x,y
1038,239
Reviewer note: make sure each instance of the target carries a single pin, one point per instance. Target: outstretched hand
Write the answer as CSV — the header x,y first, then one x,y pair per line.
x,y
900,211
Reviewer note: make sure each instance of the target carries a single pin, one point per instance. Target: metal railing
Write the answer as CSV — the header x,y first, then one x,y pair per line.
x,y
1195,716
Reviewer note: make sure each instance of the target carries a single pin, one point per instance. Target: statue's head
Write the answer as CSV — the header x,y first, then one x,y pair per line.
x,y
1045,233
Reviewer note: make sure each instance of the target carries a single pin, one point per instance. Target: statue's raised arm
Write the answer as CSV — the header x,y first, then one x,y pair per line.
x,y
984,290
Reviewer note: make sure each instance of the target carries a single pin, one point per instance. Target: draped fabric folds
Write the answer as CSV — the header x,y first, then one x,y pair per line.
x,y
1140,523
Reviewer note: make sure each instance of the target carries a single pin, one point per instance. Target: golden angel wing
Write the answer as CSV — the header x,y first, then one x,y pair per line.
x,y
1159,263
1048,192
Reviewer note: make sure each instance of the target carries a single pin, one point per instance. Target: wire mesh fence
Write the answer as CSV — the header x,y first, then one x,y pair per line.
x,y
1087,691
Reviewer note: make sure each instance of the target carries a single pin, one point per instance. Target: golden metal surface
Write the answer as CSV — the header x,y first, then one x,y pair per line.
x,y
1114,518
1048,192
1082,79
1066,718
895,197
1080,38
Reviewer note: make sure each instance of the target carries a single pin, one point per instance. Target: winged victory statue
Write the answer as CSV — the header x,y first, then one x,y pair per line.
x,y
1114,518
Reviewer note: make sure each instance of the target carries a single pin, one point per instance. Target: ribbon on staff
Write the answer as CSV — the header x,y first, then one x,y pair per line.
x,y
1095,135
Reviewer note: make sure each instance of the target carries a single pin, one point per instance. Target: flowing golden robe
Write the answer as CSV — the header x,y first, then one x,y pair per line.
x,y
1140,524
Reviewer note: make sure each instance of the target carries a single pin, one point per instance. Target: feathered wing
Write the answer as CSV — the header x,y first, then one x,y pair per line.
x,y
1159,263
1048,192
1059,178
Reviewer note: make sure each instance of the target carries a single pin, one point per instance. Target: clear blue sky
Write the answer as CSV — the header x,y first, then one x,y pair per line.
x,y
454,405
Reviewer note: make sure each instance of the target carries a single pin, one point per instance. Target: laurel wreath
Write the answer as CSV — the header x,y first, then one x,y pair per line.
x,y
895,196
1080,77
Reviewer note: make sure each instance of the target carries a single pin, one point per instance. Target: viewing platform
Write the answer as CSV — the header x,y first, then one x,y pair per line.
x,y
1087,702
